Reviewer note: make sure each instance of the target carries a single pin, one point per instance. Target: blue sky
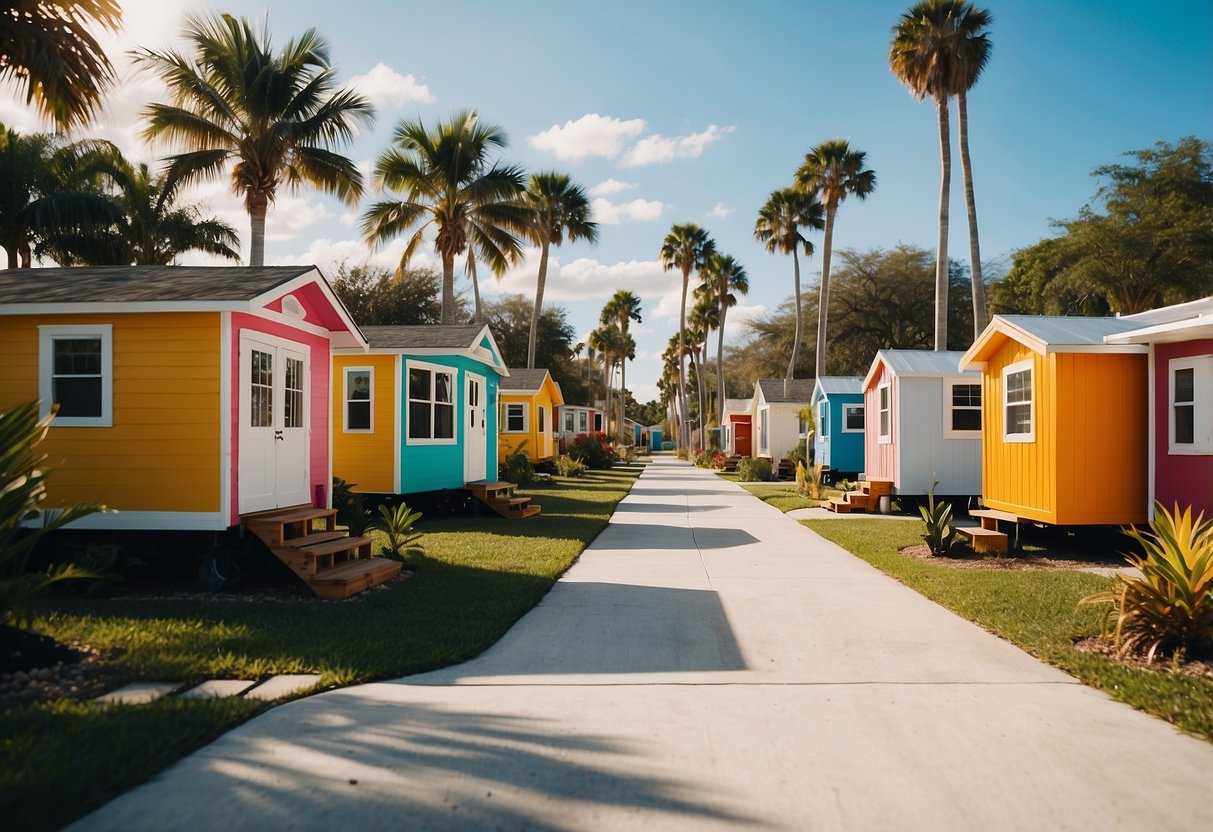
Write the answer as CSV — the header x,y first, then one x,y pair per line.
x,y
696,111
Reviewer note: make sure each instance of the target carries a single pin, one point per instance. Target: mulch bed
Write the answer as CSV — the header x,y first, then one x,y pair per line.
x,y
1196,668
1015,562
36,668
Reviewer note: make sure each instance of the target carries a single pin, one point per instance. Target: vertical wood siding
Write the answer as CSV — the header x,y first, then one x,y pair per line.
x,y
1183,479
880,461
366,459
1019,477
925,453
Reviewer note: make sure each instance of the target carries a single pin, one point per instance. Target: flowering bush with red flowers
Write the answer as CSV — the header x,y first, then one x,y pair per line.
x,y
594,450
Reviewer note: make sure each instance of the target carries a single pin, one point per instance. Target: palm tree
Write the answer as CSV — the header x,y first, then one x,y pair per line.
x,y
726,279
704,317
619,312
939,49
447,180
274,118
604,341
685,248
561,208
779,223
835,171
46,48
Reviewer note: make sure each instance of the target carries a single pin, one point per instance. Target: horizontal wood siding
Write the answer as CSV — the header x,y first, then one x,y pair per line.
x,y
1183,479
880,461
1020,477
437,467
926,454
163,451
367,459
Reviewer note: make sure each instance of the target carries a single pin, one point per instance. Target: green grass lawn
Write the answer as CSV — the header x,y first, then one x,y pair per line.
x,y
473,579
1037,610
783,495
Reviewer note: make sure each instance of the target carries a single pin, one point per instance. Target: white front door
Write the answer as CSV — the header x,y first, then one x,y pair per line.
x,y
475,424
273,465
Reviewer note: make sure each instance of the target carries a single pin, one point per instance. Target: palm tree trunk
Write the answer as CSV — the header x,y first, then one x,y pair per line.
x,y
797,336
694,355
257,206
538,310
724,310
966,171
941,254
477,313
623,393
448,289
682,334
823,303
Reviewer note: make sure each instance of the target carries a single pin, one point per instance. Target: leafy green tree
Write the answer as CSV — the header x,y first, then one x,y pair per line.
x,y
375,298
836,171
620,311
686,248
445,182
561,209
509,317
778,226
274,119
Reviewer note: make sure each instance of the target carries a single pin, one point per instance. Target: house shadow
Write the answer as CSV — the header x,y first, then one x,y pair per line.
x,y
629,507
623,534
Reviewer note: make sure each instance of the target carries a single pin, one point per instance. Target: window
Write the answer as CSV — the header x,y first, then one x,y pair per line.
x,y
823,419
569,417
583,422
884,402
852,418
542,428
515,418
292,403
1191,405
431,404
75,365
963,407
1019,416
763,444
359,383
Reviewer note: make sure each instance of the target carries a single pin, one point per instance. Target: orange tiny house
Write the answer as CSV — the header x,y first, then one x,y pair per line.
x,y
1063,419
528,401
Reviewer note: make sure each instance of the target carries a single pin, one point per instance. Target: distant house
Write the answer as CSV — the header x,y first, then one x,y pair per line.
x,y
1064,418
838,405
529,399
735,427
775,415
187,396
418,411
575,419
922,423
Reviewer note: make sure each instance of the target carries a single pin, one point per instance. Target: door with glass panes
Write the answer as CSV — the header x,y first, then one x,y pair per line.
x,y
476,426
273,468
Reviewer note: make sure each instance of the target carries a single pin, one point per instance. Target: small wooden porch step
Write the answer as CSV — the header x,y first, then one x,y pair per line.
x,y
499,496
353,576
867,498
991,517
731,463
985,540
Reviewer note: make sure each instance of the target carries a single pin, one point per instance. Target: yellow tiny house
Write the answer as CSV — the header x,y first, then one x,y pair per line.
x,y
528,401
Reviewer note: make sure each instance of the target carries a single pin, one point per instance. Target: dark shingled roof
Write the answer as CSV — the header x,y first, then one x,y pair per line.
x,y
799,390
430,336
147,284
524,380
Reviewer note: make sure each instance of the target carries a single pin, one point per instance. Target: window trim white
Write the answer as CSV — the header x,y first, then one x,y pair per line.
x,y
345,399
857,406
1028,366
433,368
505,418
949,406
764,431
823,419
569,421
1202,412
47,335
884,413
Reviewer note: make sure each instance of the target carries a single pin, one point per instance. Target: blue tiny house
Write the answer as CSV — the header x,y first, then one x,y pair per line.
x,y
838,404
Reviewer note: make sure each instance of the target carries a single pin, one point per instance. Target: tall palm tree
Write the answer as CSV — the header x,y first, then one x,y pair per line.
x,y
939,49
778,225
604,341
704,317
685,248
726,279
620,311
274,119
447,179
47,49
561,209
835,171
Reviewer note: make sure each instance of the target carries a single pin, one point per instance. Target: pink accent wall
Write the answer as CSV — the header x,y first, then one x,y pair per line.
x,y
317,308
880,461
318,396
1179,478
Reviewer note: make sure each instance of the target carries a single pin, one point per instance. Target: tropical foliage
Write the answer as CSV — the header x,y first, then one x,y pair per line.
x,y
375,298
779,224
509,318
754,469
686,248
724,279
941,536
619,312
594,450
396,522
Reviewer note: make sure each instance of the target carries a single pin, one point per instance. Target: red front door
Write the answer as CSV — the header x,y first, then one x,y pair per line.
x,y
741,440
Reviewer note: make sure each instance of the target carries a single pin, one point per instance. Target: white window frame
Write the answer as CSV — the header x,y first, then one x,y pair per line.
x,y
1202,405
884,413
1029,367
345,399
853,407
47,335
454,403
764,431
570,421
823,419
583,421
948,407
505,417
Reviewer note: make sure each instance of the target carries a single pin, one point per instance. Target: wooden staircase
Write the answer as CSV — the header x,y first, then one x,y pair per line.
x,y
989,537
867,498
785,470
499,496
731,462
333,564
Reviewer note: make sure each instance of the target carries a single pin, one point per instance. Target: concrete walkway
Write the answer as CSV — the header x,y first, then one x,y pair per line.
x,y
707,664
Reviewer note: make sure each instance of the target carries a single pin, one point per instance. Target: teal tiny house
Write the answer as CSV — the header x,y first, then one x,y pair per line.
x,y
838,405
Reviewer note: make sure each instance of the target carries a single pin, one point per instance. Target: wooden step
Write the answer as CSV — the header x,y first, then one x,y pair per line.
x,y
989,517
276,527
337,546
499,496
838,506
483,488
531,511
352,577
331,563
985,540
313,538
877,487
859,500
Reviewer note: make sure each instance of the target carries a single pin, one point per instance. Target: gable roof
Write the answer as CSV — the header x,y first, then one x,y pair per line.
x,y
736,406
831,385
436,339
785,391
1180,322
532,381
916,363
1048,334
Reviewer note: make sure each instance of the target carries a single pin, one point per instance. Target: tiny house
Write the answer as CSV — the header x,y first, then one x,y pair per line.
x,y
417,411
838,405
573,420
187,397
1064,419
735,427
775,415
1179,423
922,423
529,399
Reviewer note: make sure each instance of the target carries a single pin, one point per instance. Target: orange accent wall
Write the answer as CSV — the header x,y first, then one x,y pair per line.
x,y
367,459
539,444
162,452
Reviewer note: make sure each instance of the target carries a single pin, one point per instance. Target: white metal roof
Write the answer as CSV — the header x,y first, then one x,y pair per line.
x,y
917,363
1180,322
840,384
1064,330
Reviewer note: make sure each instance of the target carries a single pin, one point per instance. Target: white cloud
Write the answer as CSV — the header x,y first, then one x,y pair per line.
x,y
385,87
721,211
611,186
638,210
736,322
327,254
586,279
590,135
658,149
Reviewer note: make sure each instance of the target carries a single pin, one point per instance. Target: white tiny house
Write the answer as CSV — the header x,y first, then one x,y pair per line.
x,y
775,415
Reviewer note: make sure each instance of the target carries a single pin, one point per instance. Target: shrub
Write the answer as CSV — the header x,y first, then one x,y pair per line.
x,y
802,481
1170,607
517,467
397,523
352,511
593,450
568,466
683,453
713,458
941,536
754,469
847,485
109,562
809,481
799,454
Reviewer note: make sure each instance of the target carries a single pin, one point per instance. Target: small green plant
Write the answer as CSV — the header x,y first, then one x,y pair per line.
x,y
594,450
396,522
1170,607
847,485
816,489
351,507
517,467
941,536
754,469
570,466
800,454
802,480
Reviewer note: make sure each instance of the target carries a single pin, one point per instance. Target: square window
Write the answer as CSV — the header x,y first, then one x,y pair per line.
x,y
964,407
431,409
852,416
75,373
515,418
1191,405
1019,420
358,384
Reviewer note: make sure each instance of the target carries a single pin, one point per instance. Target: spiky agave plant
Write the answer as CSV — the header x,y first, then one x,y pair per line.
x,y
941,536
